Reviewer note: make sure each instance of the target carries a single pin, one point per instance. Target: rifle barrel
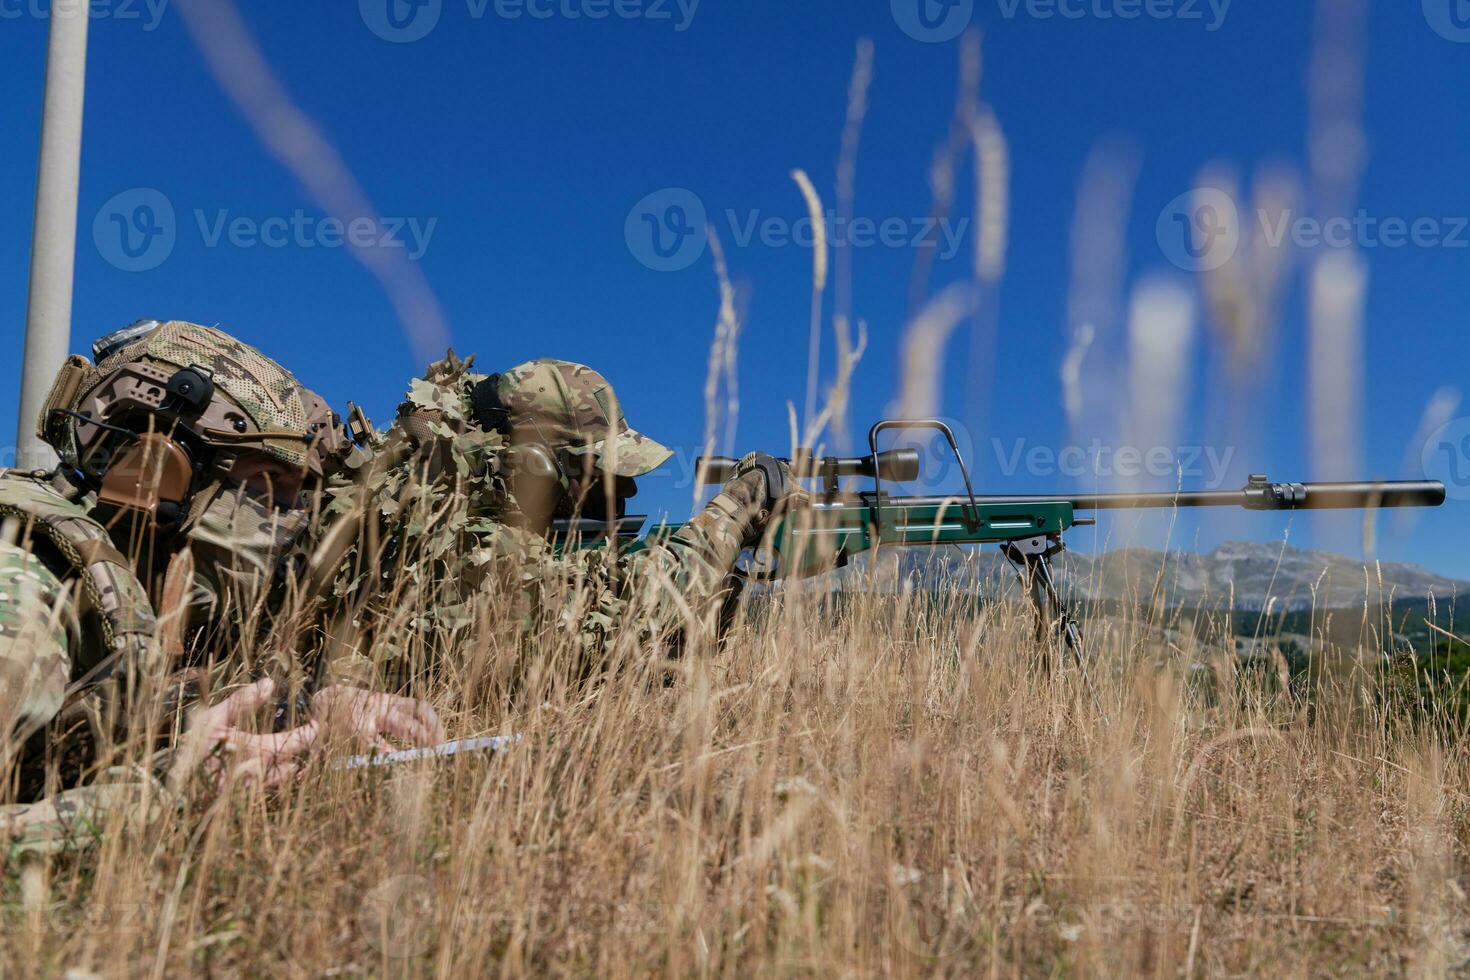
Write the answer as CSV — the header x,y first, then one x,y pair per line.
x,y
1258,496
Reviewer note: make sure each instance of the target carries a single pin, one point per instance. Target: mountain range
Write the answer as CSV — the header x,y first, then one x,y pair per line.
x,y
1237,575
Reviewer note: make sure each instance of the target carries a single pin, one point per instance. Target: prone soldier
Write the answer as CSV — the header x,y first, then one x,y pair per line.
x,y
465,487
187,457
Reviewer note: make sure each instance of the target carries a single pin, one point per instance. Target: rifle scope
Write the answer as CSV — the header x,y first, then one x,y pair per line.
x,y
896,465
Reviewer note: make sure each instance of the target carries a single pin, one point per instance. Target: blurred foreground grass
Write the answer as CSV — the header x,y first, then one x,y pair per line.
x,y
880,786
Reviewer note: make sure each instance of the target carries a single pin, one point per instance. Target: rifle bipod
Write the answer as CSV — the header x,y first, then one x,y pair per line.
x,y
1031,558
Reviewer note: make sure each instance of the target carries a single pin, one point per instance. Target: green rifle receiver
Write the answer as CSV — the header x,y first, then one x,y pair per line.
x,y
841,523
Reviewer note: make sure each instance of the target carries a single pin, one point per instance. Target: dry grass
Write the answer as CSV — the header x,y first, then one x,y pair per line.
x,y
874,787
882,785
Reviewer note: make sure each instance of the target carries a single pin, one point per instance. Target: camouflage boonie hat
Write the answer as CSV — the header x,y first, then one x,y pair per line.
x,y
572,407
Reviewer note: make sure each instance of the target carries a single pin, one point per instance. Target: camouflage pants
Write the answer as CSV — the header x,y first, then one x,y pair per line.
x,y
37,622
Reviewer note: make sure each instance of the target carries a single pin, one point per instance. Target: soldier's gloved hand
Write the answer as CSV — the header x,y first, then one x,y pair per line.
x,y
369,717
778,488
773,488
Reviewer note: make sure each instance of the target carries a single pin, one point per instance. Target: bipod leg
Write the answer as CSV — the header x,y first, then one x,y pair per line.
x,y
1032,559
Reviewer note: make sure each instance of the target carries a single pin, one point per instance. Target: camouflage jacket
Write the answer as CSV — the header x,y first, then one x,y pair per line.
x,y
433,532
70,603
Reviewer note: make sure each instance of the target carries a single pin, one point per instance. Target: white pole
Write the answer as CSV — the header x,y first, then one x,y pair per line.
x,y
54,235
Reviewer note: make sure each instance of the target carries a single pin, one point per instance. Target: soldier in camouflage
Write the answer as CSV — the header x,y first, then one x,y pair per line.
x,y
468,482
185,455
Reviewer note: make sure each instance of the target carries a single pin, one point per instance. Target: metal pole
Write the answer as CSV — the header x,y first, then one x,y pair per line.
x,y
54,235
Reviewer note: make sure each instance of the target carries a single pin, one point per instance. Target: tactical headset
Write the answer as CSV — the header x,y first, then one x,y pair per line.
x,y
150,473
142,471
533,461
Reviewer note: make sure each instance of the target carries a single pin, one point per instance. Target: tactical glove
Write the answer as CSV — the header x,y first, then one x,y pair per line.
x,y
776,489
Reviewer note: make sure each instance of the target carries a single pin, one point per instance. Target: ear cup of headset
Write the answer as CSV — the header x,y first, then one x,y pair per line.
x,y
537,481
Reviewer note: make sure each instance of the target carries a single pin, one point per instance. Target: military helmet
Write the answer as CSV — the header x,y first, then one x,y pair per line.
x,y
569,408
192,397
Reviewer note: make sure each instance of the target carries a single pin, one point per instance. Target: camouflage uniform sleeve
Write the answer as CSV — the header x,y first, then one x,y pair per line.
x,y
74,819
38,627
683,588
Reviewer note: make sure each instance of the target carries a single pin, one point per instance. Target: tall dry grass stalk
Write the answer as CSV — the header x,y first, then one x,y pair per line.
x,y
852,131
948,157
1161,339
992,156
871,782
1337,279
240,67
724,362
1098,285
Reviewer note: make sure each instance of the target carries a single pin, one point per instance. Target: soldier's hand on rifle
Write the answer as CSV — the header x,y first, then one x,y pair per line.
x,y
775,489
370,717
227,751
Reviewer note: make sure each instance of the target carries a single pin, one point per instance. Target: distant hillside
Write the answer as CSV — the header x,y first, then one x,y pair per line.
x,y
1238,575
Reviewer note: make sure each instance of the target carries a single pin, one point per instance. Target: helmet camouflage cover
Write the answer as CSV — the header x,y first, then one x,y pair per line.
x,y
257,404
571,407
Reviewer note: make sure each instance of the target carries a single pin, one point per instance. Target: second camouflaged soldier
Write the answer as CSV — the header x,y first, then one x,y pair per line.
x,y
468,482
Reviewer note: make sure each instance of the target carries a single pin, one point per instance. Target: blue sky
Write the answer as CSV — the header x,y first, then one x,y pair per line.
x,y
515,155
